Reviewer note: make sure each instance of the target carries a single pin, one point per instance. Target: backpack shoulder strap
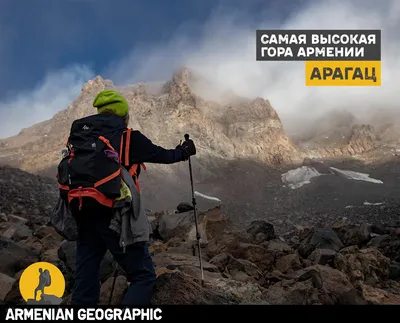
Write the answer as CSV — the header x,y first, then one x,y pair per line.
x,y
128,133
125,145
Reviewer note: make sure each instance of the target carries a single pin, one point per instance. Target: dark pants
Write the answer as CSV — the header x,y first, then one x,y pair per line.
x,y
94,239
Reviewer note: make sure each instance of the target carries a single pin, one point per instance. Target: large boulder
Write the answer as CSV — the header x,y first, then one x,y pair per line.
x,y
184,207
322,256
323,238
17,232
391,247
12,218
376,241
314,285
278,248
394,270
51,241
15,257
173,224
6,284
157,247
118,292
239,245
290,292
181,226
51,256
260,256
261,231
227,242
187,264
45,230
238,269
3,218
365,265
289,263
32,243
176,288
240,291
14,296
351,235
213,224
378,296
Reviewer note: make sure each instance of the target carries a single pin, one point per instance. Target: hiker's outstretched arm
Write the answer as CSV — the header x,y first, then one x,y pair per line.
x,y
142,150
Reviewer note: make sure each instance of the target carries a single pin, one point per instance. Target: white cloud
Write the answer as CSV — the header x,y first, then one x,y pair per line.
x,y
226,56
55,93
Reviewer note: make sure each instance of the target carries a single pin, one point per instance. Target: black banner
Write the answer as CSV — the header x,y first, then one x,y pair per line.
x,y
318,45
198,313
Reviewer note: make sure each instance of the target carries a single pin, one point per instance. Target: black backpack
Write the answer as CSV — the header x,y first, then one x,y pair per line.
x,y
89,173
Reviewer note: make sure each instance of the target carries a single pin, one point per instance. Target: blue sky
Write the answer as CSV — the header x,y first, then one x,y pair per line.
x,y
39,36
49,48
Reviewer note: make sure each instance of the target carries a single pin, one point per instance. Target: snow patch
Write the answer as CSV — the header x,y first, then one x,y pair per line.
x,y
355,175
298,177
368,203
211,198
365,203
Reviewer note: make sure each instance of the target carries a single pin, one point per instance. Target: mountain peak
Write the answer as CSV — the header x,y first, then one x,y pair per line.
x,y
182,76
97,84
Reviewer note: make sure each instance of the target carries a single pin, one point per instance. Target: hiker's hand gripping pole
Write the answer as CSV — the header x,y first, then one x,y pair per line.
x,y
195,216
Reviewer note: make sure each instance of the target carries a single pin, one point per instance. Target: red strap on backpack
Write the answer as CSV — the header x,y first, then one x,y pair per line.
x,y
91,191
133,169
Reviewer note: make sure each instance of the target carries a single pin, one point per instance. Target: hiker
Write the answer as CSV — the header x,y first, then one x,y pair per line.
x,y
44,281
123,232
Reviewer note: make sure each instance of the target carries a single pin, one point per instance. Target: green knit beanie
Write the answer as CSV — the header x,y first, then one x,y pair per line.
x,y
109,101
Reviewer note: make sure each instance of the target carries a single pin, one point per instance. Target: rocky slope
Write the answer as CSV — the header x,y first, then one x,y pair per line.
x,y
25,197
287,260
340,134
249,129
342,264
238,128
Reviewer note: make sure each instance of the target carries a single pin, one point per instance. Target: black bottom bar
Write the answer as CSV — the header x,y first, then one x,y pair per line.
x,y
189,313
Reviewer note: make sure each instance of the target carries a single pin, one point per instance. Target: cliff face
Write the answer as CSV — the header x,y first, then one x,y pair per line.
x,y
256,130
242,148
249,130
363,141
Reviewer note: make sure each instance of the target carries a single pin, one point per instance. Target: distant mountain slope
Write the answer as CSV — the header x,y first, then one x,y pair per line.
x,y
242,147
246,130
29,196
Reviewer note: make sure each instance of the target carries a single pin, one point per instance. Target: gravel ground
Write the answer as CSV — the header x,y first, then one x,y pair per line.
x,y
260,194
248,191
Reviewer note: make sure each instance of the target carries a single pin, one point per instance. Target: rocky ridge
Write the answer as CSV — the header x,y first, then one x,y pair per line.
x,y
361,141
249,129
238,128
347,262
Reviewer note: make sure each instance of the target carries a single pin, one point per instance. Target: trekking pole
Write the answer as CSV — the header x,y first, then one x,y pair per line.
x,y
113,284
195,217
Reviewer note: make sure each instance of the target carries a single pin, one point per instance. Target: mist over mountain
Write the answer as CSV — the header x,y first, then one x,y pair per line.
x,y
224,55
242,146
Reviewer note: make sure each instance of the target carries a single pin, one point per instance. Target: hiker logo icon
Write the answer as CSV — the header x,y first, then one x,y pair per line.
x,y
42,283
